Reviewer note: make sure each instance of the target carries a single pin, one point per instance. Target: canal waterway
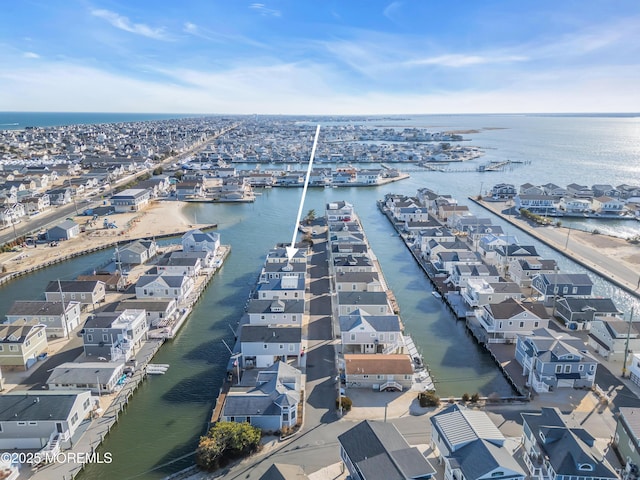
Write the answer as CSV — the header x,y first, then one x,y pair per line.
x,y
168,412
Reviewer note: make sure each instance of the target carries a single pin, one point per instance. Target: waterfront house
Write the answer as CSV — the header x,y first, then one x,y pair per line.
x,y
554,360
131,200
339,230
349,248
574,206
605,190
578,313
199,241
287,287
59,321
434,247
438,234
114,336
626,439
31,420
177,287
522,270
478,292
551,286
173,265
272,270
270,401
468,223
190,189
504,254
375,450
530,189
137,252
538,204
349,263
20,344
97,377
375,303
65,230
378,372
461,274
413,214
263,345
339,212
579,191
503,321
279,255
557,447
114,282
157,310
358,282
612,337
12,214
446,260
364,333
275,312
86,292
503,191
554,190
471,446
257,179
448,211
157,185
607,206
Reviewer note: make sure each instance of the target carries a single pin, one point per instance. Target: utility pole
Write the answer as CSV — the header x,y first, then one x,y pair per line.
x,y
555,291
626,345
64,311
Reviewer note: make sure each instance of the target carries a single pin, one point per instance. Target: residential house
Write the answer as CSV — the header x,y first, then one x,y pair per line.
x,y
605,190
612,337
439,234
553,285
471,446
273,270
287,287
32,420
579,191
461,274
505,254
114,336
555,190
60,196
157,310
478,292
114,282
375,303
539,204
339,212
98,377
270,402
522,270
275,312
65,230
503,191
554,360
358,282
607,206
364,333
529,189
20,344
86,292
445,261
59,321
574,206
131,200
579,313
263,345
502,322
199,241
349,263
489,242
279,255
175,265
626,439
177,287
378,372
36,203
556,447
137,252
12,214
375,450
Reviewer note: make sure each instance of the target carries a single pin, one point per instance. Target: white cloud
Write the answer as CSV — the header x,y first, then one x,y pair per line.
x,y
391,9
30,55
465,60
264,11
123,23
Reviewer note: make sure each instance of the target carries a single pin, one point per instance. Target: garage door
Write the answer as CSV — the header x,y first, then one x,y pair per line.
x,y
565,383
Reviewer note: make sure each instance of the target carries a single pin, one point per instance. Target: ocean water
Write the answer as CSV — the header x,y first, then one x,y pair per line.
x,y
20,120
169,412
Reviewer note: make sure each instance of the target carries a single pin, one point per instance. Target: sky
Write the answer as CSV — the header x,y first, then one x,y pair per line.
x,y
334,57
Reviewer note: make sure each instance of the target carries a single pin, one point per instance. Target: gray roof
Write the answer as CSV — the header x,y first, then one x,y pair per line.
x,y
268,334
380,451
631,417
264,306
349,260
599,305
36,406
138,246
460,426
171,281
295,267
142,304
88,373
509,308
18,331
362,298
566,445
480,457
27,307
357,277
73,286
101,320
380,323
169,260
276,284
66,225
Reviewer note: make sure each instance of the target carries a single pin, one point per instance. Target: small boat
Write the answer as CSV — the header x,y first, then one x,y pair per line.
x,y
157,369
436,294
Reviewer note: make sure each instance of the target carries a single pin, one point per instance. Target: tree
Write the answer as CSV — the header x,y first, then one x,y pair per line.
x,y
311,216
179,174
158,170
428,399
226,441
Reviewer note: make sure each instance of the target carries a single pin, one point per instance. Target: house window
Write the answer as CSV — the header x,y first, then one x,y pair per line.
x,y
82,296
1,348
262,317
353,337
372,334
13,348
592,368
291,345
74,419
85,405
574,290
558,368
535,324
33,424
89,338
22,424
27,343
281,346
105,337
521,324
294,318
580,368
73,296
265,346
567,368
365,376
510,323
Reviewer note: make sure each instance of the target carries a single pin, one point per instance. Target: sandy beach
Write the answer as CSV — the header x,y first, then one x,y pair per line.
x,y
159,218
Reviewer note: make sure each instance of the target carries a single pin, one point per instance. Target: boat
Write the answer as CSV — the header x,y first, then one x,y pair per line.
x,y
436,294
157,369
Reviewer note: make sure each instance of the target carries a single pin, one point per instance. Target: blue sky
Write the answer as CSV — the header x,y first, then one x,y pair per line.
x,y
320,57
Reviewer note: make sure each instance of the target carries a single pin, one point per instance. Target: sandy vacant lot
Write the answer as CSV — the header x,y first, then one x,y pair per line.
x,y
159,218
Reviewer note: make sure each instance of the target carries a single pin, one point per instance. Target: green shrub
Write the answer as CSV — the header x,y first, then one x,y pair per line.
x,y
347,403
428,399
465,397
475,397
226,441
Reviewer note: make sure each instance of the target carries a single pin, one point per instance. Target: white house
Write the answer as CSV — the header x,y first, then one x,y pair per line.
x,y
199,241
59,321
262,345
177,287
